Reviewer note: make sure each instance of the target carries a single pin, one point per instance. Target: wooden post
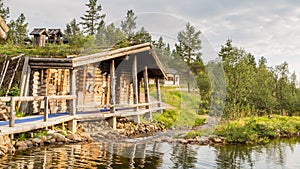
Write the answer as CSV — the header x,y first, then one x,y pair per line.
x,y
112,87
72,125
24,105
135,88
4,72
12,112
72,102
12,76
158,94
113,94
3,66
135,82
147,96
46,110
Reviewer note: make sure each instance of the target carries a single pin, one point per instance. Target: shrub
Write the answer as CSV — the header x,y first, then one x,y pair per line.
x,y
200,121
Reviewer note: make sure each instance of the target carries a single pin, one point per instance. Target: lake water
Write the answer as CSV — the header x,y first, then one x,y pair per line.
x,y
284,153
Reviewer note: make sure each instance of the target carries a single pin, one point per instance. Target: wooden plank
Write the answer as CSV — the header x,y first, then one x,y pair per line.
x,y
13,76
3,66
12,112
135,82
146,86
4,73
72,103
25,127
112,86
105,56
46,111
23,76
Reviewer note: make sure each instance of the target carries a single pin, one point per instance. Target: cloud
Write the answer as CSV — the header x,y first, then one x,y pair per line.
x,y
267,28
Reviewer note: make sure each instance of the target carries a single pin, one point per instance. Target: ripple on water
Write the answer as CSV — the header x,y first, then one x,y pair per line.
x,y
278,154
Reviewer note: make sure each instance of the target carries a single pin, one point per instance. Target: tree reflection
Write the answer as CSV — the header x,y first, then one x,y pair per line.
x,y
243,156
183,156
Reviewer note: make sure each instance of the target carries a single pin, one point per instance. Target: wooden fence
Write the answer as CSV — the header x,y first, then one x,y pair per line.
x,y
13,100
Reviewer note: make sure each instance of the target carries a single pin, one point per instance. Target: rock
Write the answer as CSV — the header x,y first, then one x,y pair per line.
x,y
52,141
43,139
59,137
3,150
21,145
86,137
11,149
36,141
29,143
182,141
217,140
51,132
74,137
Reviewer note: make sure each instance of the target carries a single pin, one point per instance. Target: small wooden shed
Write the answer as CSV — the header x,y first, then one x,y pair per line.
x,y
55,36
39,35
101,80
172,78
3,29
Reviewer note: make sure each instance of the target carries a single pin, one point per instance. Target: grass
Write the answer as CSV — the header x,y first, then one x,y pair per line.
x,y
186,107
258,129
50,50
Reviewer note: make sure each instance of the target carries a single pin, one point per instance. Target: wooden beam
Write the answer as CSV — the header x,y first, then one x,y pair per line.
x,y
158,94
23,76
4,72
12,112
12,76
147,95
146,86
3,66
112,87
46,110
135,82
98,57
72,103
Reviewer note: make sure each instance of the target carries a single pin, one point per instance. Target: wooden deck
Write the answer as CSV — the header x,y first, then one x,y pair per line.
x,y
30,123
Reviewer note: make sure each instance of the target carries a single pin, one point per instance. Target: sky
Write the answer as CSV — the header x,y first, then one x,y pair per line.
x,y
269,28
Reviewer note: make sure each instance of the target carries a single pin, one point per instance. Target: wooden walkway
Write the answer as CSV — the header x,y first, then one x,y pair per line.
x,y
30,123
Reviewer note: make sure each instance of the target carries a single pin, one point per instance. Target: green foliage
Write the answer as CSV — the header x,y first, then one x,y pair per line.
x,y
186,106
259,129
4,11
14,91
92,18
168,118
255,89
21,137
193,134
50,50
129,24
17,30
188,49
40,133
200,121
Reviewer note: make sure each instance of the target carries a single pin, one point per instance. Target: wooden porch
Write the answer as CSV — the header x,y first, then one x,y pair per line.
x,y
105,85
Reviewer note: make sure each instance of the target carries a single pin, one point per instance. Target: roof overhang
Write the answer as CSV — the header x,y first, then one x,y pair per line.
x,y
145,53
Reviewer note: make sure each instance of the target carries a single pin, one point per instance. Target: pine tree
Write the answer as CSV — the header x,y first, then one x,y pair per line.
x,y
92,18
4,11
189,47
73,34
129,24
18,30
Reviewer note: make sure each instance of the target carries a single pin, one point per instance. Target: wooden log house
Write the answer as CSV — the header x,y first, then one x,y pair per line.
x,y
55,36
103,80
39,36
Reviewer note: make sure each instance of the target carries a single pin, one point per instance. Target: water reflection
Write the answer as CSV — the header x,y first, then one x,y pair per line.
x,y
278,154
